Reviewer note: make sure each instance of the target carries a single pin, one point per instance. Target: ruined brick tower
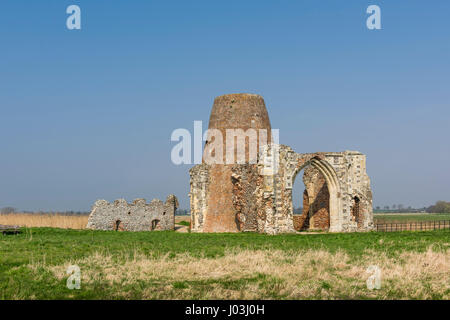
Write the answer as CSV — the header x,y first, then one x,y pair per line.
x,y
232,111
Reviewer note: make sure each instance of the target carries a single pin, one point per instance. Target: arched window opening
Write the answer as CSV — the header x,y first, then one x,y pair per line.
x,y
118,226
155,225
356,211
315,212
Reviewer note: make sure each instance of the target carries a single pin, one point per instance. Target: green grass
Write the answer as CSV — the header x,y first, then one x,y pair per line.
x,y
184,223
58,246
405,218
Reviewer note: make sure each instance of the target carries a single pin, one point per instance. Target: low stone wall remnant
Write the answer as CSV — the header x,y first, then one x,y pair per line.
x,y
136,216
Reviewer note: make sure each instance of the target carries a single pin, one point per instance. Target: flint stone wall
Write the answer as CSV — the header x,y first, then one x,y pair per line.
x,y
136,216
262,199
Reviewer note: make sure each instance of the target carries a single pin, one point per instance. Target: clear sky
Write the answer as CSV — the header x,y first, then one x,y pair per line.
x,y
88,114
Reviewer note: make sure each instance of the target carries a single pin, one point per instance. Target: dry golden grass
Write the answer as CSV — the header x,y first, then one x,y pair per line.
x,y
44,220
54,220
258,274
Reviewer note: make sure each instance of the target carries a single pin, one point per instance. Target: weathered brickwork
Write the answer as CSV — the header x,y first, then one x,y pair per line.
x,y
136,216
233,111
257,196
346,178
300,222
316,204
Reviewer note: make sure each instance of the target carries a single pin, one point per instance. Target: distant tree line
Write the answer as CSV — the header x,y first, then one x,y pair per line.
x,y
7,210
398,208
439,207
182,212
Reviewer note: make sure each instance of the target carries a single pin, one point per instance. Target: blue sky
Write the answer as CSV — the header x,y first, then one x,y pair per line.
x,y
88,114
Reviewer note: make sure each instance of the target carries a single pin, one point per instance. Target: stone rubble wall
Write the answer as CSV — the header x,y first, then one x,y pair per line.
x,y
262,202
198,195
351,169
136,216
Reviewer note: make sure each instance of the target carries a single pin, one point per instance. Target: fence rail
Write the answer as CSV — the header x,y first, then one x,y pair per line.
x,y
413,226
4,229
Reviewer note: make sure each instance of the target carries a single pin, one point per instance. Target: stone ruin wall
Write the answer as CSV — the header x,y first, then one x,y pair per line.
x,y
263,203
252,196
136,216
277,198
198,196
345,173
245,197
355,184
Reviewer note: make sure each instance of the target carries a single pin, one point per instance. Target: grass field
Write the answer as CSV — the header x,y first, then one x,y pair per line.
x,y
171,265
406,217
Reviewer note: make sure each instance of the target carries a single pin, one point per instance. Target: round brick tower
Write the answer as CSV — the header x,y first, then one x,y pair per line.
x,y
232,111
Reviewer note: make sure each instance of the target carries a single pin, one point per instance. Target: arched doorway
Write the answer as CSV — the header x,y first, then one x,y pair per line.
x,y
118,226
155,225
324,203
315,201
355,211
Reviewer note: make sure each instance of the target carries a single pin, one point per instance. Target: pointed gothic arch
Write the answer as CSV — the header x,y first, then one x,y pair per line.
x,y
332,181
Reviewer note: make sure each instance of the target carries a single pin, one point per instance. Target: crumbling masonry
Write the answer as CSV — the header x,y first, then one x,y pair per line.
x,y
258,196
136,216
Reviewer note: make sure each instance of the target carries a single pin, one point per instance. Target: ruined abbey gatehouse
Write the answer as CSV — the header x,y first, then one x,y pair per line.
x,y
257,195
